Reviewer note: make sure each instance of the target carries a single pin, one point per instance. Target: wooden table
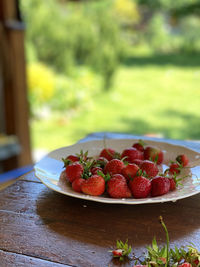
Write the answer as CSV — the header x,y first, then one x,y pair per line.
x,y
39,227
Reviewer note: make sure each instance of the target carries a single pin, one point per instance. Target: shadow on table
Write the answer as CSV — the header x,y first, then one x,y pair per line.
x,y
102,224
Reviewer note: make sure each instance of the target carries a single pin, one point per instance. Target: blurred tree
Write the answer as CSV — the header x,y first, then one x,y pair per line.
x,y
67,35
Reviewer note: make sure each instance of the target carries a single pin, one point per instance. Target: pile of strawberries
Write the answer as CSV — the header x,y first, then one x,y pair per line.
x,y
135,172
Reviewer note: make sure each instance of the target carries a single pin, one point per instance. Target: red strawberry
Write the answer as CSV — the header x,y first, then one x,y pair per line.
x,y
94,186
131,154
153,154
172,184
196,262
139,145
175,168
114,166
182,159
74,171
117,187
101,162
76,184
159,186
117,252
108,153
185,264
138,162
72,158
150,168
130,170
95,170
140,187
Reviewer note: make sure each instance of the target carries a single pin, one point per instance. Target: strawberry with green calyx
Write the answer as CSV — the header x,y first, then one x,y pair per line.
x,y
154,154
94,185
182,159
131,154
117,187
140,186
70,159
101,162
87,167
130,171
74,171
139,145
150,168
175,168
122,250
95,170
109,153
114,166
186,256
160,185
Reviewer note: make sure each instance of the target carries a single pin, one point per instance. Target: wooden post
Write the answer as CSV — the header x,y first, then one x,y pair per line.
x,y
14,83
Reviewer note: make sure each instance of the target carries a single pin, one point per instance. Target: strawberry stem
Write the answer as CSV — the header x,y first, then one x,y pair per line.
x,y
167,239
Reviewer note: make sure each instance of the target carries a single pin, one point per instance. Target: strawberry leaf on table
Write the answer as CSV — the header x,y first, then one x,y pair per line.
x,y
156,256
122,250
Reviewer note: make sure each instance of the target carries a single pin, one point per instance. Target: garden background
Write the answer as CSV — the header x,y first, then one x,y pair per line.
x,y
128,66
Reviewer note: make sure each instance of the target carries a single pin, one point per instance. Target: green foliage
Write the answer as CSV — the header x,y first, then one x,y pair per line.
x,y
61,92
68,35
189,29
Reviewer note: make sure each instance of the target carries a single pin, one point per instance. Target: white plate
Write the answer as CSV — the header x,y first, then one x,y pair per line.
x,y
48,170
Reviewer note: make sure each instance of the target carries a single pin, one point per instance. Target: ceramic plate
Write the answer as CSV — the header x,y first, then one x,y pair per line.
x,y
49,169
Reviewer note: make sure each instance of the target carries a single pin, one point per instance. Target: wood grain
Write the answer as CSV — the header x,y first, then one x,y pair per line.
x,y
16,260
40,223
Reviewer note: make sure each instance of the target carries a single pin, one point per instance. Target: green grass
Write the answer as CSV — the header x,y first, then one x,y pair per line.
x,y
150,95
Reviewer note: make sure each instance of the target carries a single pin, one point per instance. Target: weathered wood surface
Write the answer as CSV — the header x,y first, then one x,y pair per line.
x,y
39,226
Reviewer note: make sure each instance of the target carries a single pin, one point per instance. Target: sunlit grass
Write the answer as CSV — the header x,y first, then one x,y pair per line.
x,y
162,99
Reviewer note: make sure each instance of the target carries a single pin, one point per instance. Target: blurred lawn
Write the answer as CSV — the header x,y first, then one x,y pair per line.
x,y
152,94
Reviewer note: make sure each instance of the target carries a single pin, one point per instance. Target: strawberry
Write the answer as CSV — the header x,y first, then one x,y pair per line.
x,y
172,184
94,185
175,168
139,145
72,158
114,166
182,159
185,264
76,184
117,187
123,250
74,171
160,185
196,262
95,170
117,252
140,187
137,162
153,154
101,162
130,170
130,154
150,168
108,153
